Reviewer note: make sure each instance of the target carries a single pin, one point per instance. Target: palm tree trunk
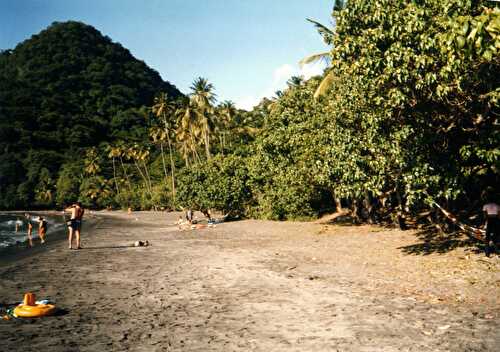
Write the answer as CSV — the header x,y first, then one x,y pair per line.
x,y
114,176
146,172
126,174
172,167
163,161
221,144
207,144
143,176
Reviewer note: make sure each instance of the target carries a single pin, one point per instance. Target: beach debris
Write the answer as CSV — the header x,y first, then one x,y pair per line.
x,y
292,267
141,244
444,327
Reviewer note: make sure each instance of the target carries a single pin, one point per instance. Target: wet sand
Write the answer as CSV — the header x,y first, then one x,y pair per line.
x,y
253,285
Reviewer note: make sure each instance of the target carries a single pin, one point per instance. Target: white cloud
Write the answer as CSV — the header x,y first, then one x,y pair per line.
x,y
280,76
247,103
314,69
283,73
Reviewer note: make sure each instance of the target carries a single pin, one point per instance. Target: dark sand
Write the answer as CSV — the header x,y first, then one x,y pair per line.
x,y
253,286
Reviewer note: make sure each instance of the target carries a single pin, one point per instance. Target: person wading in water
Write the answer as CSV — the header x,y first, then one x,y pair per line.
x,y
75,223
42,229
30,230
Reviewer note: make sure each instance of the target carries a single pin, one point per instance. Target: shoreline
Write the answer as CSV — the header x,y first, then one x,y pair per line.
x,y
252,285
21,250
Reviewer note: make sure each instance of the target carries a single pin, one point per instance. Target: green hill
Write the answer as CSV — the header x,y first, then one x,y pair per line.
x,y
64,89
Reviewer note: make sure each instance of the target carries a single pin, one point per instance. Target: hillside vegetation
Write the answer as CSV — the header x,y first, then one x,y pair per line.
x,y
404,117
63,90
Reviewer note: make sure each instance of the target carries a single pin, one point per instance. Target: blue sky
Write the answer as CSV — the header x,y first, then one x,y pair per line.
x,y
246,48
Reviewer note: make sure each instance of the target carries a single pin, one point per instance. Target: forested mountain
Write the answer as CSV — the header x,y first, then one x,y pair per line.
x,y
64,89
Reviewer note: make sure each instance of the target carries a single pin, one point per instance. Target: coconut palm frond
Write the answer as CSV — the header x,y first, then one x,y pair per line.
x,y
325,85
324,31
315,58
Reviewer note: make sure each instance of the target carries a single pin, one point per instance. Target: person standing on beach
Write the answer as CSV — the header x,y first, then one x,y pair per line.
x,y
75,223
189,216
42,228
30,231
491,211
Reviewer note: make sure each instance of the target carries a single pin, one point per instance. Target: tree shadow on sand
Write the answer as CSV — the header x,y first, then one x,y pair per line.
x,y
434,241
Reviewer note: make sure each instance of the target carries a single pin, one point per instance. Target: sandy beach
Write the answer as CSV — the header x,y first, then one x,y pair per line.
x,y
253,286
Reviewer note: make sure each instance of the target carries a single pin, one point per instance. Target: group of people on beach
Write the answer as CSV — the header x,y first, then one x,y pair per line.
x,y
42,228
187,222
74,225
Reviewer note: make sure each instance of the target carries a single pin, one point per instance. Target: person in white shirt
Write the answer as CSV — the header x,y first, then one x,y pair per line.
x,y
491,211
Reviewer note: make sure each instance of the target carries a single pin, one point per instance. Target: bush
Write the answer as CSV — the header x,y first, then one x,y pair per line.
x,y
220,184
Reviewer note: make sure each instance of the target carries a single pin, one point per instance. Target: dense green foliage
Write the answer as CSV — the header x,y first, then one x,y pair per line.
x,y
65,89
411,115
406,113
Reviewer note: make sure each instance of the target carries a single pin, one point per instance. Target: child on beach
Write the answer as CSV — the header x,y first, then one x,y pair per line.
x,y
42,228
30,231
18,224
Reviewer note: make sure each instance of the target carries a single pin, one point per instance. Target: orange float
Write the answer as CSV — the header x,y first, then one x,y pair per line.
x,y
29,309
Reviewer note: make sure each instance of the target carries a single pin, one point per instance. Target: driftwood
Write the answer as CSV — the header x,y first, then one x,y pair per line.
x,y
470,231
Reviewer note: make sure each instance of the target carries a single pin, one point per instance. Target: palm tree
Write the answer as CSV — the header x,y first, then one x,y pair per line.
x,y
158,136
202,100
188,133
162,109
120,150
328,35
227,111
113,153
139,155
295,81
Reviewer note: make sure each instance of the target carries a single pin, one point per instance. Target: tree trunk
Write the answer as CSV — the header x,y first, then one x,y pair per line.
x,y
355,211
146,171
126,174
400,216
370,205
114,176
338,204
172,164
221,145
172,167
207,145
143,176
163,162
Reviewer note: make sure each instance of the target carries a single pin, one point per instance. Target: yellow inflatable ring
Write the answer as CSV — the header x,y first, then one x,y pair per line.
x,y
38,310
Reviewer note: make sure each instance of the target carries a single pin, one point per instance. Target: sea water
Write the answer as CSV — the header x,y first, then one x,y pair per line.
x,y
8,235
